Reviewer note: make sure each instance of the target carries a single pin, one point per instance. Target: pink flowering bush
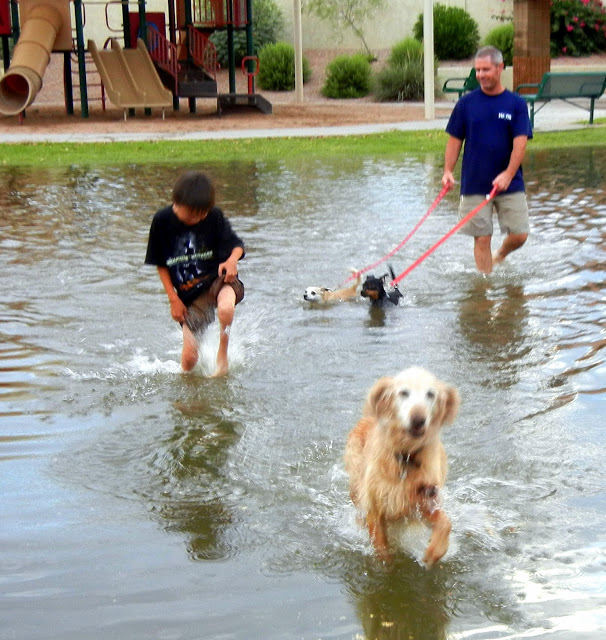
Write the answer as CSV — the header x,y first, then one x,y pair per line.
x,y
578,27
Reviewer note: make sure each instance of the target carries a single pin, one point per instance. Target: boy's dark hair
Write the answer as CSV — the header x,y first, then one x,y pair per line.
x,y
195,190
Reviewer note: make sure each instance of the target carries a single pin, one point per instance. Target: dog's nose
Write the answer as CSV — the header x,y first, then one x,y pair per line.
x,y
417,423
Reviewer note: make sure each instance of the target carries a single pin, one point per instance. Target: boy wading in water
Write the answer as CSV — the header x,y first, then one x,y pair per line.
x,y
196,252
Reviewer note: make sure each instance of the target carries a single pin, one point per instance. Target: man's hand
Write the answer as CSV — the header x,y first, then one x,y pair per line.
x,y
448,180
502,181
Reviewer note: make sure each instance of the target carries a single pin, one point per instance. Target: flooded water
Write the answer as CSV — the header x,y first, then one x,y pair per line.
x,y
139,502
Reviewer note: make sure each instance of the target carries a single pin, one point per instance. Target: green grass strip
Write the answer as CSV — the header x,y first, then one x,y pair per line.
x,y
260,149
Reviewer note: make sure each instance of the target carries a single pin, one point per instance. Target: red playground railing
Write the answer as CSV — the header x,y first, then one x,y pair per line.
x,y
219,13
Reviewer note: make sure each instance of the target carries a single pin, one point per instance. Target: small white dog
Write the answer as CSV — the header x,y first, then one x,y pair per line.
x,y
322,294
395,458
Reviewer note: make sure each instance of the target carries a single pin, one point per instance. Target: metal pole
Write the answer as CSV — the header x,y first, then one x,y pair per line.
x,y
15,20
250,46
6,52
81,53
126,22
428,60
172,33
142,23
68,87
298,52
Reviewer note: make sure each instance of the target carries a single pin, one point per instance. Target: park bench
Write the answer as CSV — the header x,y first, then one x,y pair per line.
x,y
564,86
461,85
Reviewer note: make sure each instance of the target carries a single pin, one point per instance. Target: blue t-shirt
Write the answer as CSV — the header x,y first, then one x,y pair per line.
x,y
488,125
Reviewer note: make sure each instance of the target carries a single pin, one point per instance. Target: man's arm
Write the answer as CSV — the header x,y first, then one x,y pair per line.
x,y
178,310
451,155
503,180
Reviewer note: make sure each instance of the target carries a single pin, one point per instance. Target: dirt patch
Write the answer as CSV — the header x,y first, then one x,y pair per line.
x,y
47,114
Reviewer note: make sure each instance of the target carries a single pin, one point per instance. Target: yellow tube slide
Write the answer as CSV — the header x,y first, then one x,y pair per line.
x,y
23,79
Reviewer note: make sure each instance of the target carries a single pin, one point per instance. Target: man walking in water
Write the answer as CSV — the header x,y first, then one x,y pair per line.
x,y
493,124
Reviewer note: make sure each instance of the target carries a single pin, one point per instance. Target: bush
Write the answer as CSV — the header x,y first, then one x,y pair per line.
x,y
277,67
404,51
400,82
455,33
403,77
348,77
502,38
268,26
578,27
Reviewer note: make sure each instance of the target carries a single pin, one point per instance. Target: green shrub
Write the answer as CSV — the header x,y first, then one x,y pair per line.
x,y
455,33
348,77
403,77
578,27
277,67
400,82
268,26
502,38
404,51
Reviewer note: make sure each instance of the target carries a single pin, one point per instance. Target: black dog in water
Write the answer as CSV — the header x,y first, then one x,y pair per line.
x,y
374,289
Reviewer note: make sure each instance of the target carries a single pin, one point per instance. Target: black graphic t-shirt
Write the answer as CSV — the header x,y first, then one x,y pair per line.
x,y
192,254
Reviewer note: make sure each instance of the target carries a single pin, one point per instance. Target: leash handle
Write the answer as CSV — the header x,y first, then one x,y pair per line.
x,y
433,205
443,239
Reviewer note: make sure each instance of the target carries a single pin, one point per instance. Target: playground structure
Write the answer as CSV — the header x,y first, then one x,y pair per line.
x,y
153,68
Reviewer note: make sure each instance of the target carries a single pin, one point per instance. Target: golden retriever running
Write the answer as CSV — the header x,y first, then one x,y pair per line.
x,y
395,459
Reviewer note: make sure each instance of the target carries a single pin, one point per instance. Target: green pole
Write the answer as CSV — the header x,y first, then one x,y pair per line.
x,y
231,54
68,88
249,41
81,51
6,52
143,35
126,22
142,22
15,20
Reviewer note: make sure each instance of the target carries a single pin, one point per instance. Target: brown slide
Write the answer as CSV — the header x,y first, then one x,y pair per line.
x,y
23,79
129,76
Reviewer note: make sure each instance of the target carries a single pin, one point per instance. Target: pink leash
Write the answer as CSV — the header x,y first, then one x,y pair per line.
x,y
434,204
457,226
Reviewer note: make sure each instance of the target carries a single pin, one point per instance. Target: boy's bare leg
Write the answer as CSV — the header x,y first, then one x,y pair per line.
x,y
189,354
482,254
226,303
512,242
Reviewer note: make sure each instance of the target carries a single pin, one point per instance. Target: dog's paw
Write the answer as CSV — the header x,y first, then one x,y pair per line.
x,y
434,553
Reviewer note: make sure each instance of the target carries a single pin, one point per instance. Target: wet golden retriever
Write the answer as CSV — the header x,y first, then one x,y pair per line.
x,y
395,458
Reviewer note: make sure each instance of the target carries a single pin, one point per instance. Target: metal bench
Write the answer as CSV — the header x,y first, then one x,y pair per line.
x,y
564,86
461,85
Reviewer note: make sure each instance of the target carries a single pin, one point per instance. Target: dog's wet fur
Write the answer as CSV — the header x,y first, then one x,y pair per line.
x,y
396,460
323,294
374,289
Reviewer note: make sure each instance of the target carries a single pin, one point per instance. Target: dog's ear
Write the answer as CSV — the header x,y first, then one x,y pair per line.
x,y
450,401
379,399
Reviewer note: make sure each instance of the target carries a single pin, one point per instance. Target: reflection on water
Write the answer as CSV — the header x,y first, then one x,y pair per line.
x,y
179,502
494,322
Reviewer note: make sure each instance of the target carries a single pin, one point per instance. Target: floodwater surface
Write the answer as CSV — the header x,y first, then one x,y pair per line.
x,y
139,502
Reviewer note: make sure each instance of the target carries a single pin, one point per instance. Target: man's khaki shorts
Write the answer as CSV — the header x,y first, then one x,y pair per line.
x,y
511,210
201,312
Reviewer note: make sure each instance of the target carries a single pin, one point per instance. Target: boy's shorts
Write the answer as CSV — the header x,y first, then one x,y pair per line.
x,y
201,312
511,210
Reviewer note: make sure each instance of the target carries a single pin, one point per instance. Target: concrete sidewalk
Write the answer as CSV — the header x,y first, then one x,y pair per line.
x,y
554,116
